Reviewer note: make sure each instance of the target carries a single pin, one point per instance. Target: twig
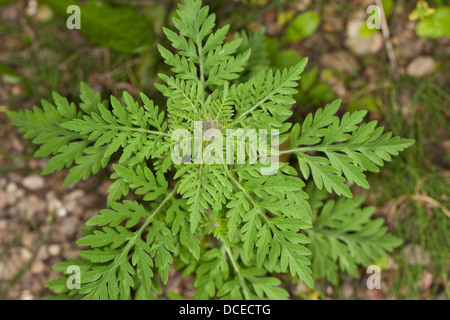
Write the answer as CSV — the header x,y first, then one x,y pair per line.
x,y
387,40
420,198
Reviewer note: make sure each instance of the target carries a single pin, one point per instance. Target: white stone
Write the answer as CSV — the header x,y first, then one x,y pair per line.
x,y
34,182
421,66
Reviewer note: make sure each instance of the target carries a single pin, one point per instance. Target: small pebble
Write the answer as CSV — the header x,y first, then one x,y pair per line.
x,y
25,254
37,267
421,66
33,183
54,250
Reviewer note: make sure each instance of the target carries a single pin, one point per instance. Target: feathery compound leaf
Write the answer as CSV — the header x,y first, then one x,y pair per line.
x,y
202,55
349,149
270,92
143,180
284,239
46,127
344,236
130,211
112,277
126,127
212,272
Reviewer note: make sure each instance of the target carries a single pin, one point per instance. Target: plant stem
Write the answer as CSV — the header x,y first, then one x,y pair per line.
x,y
387,40
237,270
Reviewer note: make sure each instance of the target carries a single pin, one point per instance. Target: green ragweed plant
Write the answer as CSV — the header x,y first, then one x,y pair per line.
x,y
229,225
